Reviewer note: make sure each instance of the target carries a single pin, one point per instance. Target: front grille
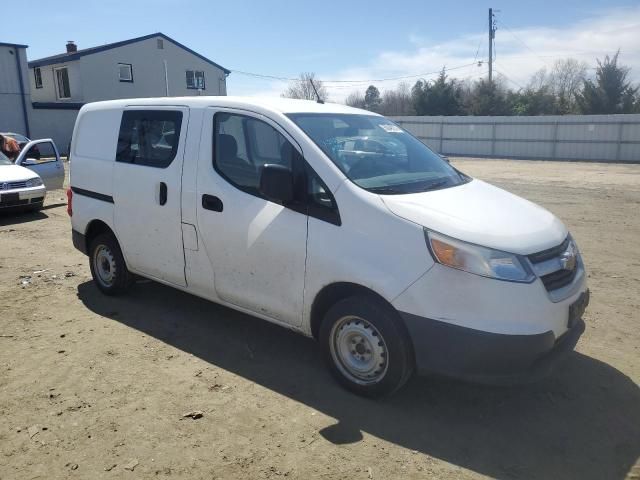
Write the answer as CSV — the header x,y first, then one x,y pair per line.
x,y
549,253
12,185
558,279
548,266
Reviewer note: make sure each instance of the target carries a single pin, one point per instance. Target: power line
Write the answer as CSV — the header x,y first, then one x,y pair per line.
x,y
353,82
523,43
508,78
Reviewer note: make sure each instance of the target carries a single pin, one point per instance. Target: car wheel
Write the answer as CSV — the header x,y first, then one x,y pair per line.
x,y
366,346
107,264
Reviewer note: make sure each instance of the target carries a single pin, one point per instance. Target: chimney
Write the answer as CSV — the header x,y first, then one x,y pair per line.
x,y
71,47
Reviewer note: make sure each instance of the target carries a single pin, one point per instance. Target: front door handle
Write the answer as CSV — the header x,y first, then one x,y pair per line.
x,y
211,202
163,193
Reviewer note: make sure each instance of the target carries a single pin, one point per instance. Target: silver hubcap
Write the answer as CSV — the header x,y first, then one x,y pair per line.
x,y
358,350
104,264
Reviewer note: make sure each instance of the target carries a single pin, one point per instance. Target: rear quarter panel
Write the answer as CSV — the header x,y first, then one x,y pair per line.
x,y
93,151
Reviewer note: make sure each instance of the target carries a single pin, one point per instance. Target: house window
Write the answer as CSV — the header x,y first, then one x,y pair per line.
x,y
160,44
195,80
62,80
126,72
37,74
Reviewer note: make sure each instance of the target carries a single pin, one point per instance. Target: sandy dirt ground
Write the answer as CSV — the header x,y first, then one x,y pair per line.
x,y
94,387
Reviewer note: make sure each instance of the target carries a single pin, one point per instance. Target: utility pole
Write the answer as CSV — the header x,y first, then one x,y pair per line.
x,y
492,35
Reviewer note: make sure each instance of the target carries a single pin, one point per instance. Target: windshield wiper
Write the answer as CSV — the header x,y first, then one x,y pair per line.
x,y
435,185
384,189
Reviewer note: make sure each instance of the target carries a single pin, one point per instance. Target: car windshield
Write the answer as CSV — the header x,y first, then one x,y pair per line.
x,y
378,155
4,160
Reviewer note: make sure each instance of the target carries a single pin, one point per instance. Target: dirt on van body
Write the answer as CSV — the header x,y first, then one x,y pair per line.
x,y
160,384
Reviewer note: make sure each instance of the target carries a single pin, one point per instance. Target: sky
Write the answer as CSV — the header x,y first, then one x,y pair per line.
x,y
349,44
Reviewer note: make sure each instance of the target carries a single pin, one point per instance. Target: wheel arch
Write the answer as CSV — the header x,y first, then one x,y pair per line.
x,y
334,292
95,228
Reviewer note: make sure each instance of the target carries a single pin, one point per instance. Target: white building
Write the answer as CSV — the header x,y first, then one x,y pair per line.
x,y
150,66
15,104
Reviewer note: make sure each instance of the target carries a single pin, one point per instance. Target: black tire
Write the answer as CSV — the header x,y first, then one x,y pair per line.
x,y
378,320
110,261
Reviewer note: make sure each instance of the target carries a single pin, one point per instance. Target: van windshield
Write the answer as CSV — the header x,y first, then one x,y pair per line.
x,y
378,155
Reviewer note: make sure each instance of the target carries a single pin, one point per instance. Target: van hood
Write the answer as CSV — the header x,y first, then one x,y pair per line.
x,y
15,173
480,213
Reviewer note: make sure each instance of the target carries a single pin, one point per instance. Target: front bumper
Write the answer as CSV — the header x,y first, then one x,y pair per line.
x,y
22,197
487,330
490,358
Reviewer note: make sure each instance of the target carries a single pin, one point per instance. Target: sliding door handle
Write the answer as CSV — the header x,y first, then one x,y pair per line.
x,y
163,193
211,202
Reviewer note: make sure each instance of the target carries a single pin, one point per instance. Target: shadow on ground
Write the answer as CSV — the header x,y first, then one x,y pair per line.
x,y
17,216
584,422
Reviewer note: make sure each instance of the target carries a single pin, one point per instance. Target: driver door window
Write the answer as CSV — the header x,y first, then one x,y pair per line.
x,y
40,153
242,145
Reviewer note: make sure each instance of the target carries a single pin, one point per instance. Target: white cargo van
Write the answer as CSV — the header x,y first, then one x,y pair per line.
x,y
331,221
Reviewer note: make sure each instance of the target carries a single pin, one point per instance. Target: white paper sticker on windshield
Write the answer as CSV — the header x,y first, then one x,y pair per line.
x,y
390,128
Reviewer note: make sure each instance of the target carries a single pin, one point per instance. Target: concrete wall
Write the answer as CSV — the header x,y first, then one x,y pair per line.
x,y
12,116
609,138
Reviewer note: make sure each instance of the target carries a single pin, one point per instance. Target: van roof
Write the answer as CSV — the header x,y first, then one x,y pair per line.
x,y
282,105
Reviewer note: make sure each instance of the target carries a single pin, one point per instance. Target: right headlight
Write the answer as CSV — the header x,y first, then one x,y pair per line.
x,y
478,260
34,182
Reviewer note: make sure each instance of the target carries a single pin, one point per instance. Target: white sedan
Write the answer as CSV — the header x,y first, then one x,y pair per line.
x,y
19,187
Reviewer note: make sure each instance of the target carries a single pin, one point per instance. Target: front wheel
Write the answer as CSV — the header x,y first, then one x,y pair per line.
x,y
108,268
366,346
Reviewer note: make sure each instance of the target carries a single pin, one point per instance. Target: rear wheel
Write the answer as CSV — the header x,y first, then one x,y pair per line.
x,y
366,346
108,267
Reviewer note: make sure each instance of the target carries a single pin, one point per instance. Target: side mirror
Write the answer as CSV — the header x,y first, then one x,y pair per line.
x,y
29,161
276,183
444,157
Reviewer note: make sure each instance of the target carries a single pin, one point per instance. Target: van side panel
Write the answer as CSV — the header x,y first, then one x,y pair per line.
x,y
93,152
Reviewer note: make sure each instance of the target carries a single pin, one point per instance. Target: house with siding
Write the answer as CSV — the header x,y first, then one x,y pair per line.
x,y
150,66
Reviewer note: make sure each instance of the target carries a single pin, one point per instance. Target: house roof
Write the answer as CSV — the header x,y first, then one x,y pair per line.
x,y
69,56
16,45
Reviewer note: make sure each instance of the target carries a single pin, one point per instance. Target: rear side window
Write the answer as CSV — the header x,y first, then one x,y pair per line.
x,y
149,137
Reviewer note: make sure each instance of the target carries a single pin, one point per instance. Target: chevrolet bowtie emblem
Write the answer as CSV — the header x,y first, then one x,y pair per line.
x,y
568,258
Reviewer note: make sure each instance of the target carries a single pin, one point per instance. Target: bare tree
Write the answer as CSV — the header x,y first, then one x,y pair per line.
x,y
303,89
398,101
355,99
391,102
566,80
539,80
